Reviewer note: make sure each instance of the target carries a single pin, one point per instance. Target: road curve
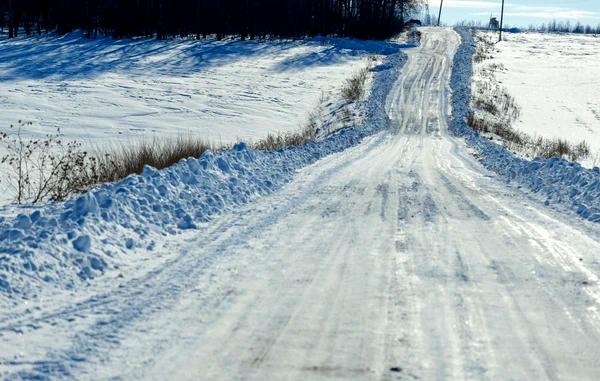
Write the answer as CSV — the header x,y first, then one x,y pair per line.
x,y
401,258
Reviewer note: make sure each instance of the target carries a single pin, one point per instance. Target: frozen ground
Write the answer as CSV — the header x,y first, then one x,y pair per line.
x,y
555,78
395,254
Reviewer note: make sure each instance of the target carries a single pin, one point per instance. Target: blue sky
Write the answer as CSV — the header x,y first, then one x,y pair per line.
x,y
520,12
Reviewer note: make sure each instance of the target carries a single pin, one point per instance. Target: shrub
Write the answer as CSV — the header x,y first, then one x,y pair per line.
x,y
54,168
46,168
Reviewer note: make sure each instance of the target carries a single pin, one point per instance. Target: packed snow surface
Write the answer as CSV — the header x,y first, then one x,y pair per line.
x,y
395,255
555,78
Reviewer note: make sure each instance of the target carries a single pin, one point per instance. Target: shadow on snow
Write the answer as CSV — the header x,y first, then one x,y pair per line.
x,y
75,56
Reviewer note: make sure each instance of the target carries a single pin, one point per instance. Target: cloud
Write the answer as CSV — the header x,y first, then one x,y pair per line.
x,y
516,10
466,4
558,14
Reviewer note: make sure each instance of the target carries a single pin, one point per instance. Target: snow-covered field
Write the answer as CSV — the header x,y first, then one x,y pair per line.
x,y
555,78
118,92
223,91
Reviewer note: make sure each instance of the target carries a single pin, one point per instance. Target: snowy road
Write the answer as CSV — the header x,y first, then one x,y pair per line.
x,y
401,258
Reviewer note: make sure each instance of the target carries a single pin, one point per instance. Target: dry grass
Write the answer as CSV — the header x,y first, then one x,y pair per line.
x,y
595,159
55,168
274,142
484,49
67,169
354,88
495,111
130,159
548,148
500,129
531,146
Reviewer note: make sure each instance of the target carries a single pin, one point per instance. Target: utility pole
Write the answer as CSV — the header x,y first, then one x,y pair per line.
x,y
501,21
440,14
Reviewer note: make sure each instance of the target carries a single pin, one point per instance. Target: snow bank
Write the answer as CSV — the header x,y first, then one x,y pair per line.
x,y
555,181
65,244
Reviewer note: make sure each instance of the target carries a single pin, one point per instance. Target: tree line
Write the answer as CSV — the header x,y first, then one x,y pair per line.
x,y
565,27
551,27
243,18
